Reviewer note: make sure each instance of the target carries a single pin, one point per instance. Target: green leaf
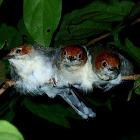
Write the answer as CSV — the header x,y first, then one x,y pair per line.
x,y
137,86
8,105
41,18
7,66
135,11
93,19
87,29
9,131
129,48
55,113
3,108
11,35
129,95
22,29
69,42
116,30
99,11
1,2
98,102
1,44
2,73
132,51
10,112
136,89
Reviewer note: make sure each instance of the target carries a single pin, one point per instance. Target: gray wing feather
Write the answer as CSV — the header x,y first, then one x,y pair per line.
x,y
126,66
84,111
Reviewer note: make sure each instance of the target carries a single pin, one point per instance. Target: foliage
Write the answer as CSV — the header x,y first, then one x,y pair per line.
x,y
134,52
46,111
2,73
44,23
1,1
9,131
93,19
10,34
41,21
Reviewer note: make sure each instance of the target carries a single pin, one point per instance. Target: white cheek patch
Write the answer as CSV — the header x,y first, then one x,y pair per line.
x,y
116,81
105,74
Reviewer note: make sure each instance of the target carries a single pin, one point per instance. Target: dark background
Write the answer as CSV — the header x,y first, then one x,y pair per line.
x,y
122,123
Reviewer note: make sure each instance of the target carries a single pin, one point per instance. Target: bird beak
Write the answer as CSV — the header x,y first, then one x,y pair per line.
x,y
9,57
115,72
71,58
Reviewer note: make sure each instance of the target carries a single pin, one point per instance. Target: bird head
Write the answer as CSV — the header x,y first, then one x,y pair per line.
x,y
74,55
19,52
107,65
18,55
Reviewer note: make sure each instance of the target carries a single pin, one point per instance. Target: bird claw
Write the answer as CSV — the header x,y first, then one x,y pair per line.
x,y
52,81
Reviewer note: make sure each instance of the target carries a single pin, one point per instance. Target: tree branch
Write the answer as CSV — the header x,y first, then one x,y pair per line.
x,y
10,83
6,85
108,34
130,77
97,39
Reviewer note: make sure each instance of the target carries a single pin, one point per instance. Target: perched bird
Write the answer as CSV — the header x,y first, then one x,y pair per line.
x,y
74,68
31,68
96,65
34,70
109,65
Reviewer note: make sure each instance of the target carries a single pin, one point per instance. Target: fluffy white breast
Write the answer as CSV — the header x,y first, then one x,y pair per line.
x,y
82,77
88,77
38,71
34,73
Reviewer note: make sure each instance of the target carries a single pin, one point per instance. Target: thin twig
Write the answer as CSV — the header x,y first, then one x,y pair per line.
x,y
130,77
97,39
108,34
6,85
10,83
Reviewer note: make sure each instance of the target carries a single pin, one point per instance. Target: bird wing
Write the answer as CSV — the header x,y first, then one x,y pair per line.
x,y
84,111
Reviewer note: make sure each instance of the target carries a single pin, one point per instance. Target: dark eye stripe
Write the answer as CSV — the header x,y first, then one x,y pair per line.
x,y
80,55
64,52
104,63
18,51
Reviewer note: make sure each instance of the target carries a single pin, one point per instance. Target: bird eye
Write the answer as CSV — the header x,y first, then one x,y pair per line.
x,y
18,50
104,64
64,53
80,55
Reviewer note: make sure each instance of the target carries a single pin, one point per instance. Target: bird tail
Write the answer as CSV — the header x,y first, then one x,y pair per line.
x,y
84,111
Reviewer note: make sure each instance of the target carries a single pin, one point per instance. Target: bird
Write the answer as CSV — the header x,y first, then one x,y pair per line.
x,y
74,67
98,66
109,64
33,68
